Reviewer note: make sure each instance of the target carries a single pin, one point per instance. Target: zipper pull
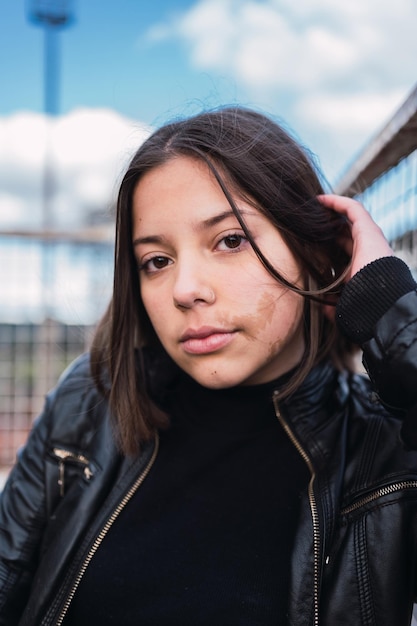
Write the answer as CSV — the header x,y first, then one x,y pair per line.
x,y
64,456
61,478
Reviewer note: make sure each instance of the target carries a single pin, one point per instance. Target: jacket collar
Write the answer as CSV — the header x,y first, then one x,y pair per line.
x,y
316,412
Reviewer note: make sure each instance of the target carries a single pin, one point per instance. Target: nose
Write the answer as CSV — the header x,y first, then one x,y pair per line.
x,y
192,286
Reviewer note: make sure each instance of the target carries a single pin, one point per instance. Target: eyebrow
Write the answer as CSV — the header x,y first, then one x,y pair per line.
x,y
204,224
150,239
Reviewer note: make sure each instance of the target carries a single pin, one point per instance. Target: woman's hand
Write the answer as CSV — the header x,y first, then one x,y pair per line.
x,y
368,242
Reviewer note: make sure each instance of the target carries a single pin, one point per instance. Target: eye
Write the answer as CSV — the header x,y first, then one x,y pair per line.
x,y
155,264
232,242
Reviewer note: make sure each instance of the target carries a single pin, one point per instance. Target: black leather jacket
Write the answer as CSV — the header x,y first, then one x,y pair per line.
x,y
354,559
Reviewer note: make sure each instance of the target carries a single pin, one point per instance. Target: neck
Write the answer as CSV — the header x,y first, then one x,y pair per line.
x,y
250,407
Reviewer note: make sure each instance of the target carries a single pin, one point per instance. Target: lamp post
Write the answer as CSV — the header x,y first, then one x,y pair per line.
x,y
52,15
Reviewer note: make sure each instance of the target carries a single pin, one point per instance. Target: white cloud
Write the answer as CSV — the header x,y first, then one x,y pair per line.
x,y
12,210
287,42
342,124
236,37
341,66
351,112
88,149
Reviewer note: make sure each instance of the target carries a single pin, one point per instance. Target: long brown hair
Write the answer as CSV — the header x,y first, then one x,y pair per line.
x,y
252,158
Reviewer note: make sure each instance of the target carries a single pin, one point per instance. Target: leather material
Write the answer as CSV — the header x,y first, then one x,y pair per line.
x,y
356,565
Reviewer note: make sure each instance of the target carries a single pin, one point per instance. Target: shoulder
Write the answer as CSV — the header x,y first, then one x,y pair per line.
x,y
366,405
75,406
363,394
76,375
71,419
73,412
374,432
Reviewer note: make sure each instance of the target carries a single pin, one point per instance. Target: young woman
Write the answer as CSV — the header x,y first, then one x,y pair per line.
x,y
214,459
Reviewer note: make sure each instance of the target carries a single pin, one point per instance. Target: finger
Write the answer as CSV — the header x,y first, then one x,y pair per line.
x,y
369,242
352,209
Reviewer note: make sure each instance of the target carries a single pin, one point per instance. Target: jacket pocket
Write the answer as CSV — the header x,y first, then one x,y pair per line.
x,y
63,467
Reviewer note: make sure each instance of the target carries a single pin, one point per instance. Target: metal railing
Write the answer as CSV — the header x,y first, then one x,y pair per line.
x,y
384,179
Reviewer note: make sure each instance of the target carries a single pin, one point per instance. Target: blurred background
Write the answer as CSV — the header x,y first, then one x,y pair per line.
x,y
83,82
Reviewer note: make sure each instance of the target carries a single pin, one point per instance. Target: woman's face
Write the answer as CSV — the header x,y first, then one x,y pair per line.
x,y
218,313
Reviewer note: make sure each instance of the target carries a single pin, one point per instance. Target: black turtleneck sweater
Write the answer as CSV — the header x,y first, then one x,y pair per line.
x,y
207,539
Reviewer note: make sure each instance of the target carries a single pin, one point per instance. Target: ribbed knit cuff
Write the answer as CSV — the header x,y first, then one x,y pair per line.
x,y
369,294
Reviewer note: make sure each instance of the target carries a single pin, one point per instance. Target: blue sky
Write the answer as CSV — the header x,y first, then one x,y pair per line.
x,y
150,60
334,72
110,58
105,59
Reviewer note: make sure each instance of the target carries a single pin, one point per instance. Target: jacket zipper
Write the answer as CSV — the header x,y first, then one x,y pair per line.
x,y
378,493
97,542
66,455
312,501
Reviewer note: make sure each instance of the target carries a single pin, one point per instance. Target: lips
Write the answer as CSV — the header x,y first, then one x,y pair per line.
x,y
206,340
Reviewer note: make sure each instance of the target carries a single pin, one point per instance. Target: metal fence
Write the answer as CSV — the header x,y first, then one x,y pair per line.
x,y
52,292
32,357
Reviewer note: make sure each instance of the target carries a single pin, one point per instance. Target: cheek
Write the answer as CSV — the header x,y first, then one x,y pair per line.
x,y
274,315
265,311
287,324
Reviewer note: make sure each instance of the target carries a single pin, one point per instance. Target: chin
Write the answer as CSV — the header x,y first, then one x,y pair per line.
x,y
216,381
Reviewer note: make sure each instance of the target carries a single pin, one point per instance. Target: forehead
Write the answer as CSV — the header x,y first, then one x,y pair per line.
x,y
183,195
179,171
184,186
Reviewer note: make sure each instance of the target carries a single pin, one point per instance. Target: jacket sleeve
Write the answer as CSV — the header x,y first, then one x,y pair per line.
x,y
22,520
378,310
25,503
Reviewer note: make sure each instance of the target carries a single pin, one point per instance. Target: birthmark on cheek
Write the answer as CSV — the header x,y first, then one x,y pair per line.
x,y
262,316
292,329
275,346
267,306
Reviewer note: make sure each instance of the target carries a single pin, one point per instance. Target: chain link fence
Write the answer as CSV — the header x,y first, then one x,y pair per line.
x,y
32,357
